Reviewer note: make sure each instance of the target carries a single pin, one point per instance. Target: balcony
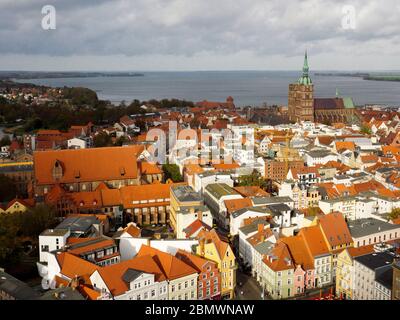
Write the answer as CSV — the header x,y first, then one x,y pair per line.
x,y
234,267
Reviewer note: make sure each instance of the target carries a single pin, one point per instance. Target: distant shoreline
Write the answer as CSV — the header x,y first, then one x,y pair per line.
x,y
364,76
27,75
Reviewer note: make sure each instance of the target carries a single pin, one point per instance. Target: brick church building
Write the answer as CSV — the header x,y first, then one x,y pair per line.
x,y
303,106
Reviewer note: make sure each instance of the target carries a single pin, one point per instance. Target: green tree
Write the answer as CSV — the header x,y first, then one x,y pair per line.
x,y
171,171
254,179
5,141
365,130
37,219
9,240
8,190
120,141
394,214
102,140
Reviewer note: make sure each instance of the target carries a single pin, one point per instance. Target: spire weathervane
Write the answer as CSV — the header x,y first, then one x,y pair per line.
x,y
305,78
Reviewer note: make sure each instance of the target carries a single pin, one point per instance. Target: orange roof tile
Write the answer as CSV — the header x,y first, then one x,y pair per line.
x,y
72,265
225,166
191,169
196,225
91,246
172,267
360,251
299,252
97,164
145,192
335,229
314,240
349,145
195,261
149,168
279,259
113,275
233,205
251,191
213,237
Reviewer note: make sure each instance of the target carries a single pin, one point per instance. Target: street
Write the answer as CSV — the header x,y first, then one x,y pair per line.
x,y
247,287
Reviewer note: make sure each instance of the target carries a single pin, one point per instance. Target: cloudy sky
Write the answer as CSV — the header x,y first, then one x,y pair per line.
x,y
200,35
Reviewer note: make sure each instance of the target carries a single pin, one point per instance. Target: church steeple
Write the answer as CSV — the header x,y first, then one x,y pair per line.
x,y
305,79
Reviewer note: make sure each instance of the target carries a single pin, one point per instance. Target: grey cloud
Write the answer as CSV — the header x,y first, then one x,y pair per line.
x,y
189,27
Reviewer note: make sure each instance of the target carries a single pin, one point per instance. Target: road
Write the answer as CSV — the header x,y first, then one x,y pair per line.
x,y
247,287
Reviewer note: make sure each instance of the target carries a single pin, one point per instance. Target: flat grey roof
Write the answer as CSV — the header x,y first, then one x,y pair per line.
x,y
131,275
76,224
55,232
250,228
16,288
384,276
271,200
66,293
264,247
364,227
255,209
218,190
375,260
185,194
186,210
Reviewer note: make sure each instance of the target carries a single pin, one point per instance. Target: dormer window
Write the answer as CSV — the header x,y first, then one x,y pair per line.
x,y
58,170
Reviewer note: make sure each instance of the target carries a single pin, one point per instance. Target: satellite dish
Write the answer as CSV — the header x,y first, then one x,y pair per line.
x,y
45,284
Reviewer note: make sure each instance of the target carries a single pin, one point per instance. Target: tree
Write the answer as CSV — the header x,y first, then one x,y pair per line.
x,y
37,219
5,141
365,130
102,140
254,179
313,211
9,241
16,227
394,214
120,141
8,189
171,171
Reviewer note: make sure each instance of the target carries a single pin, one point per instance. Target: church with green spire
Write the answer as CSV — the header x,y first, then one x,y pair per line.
x,y
305,78
301,96
302,106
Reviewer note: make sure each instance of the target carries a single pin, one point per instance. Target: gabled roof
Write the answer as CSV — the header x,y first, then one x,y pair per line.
x,y
193,260
359,251
213,237
279,258
195,226
72,266
348,145
251,191
95,164
149,168
90,245
314,240
233,205
172,267
299,252
116,278
335,229
144,192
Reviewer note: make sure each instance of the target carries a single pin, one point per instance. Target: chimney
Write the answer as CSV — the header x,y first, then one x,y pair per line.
x,y
75,283
200,215
191,210
202,249
260,228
